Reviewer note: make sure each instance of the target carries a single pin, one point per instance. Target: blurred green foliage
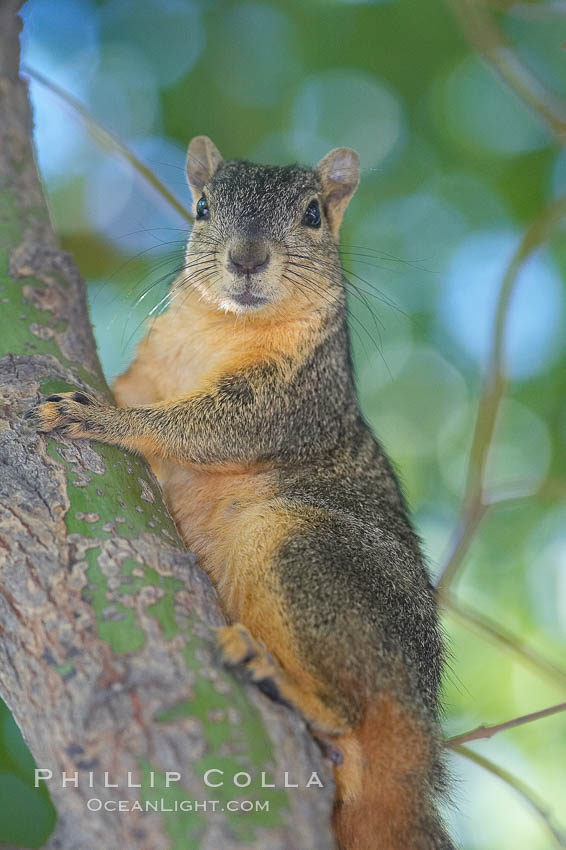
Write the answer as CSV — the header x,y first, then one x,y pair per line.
x,y
455,167
27,815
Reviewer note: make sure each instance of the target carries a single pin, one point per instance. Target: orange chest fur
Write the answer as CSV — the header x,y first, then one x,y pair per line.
x,y
187,350
221,512
228,520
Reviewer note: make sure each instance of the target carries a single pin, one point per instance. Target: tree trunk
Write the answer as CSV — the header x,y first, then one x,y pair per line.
x,y
107,654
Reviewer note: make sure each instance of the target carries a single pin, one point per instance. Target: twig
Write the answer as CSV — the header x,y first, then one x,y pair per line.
x,y
108,140
479,28
488,731
494,387
505,640
528,795
460,542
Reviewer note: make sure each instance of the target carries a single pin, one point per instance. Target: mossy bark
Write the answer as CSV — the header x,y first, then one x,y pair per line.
x,y
106,653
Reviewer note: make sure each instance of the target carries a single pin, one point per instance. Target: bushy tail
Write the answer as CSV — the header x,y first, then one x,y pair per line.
x,y
385,786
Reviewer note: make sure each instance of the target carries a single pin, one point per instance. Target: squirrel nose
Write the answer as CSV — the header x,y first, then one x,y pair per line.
x,y
248,258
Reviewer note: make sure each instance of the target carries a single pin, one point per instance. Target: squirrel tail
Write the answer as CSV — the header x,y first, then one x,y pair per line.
x,y
386,783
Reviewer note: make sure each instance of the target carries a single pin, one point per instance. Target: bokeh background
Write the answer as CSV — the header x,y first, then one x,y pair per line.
x,y
455,168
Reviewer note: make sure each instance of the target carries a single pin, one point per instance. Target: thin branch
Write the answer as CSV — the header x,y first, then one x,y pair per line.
x,y
494,387
107,139
488,731
488,630
528,795
461,541
481,31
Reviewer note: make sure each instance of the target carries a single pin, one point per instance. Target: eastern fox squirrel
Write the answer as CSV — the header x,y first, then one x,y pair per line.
x,y
243,400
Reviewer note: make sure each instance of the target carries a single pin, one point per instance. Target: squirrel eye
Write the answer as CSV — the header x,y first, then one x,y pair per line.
x,y
312,215
202,208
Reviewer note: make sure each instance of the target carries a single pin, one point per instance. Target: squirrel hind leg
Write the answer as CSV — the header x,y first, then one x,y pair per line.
x,y
241,651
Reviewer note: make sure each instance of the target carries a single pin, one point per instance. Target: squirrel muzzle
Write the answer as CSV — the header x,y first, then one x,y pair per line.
x,y
246,279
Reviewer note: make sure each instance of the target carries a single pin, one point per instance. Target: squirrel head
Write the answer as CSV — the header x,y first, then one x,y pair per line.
x,y
265,238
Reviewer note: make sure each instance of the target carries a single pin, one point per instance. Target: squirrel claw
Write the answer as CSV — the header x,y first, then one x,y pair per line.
x,y
329,751
239,649
80,397
236,645
66,414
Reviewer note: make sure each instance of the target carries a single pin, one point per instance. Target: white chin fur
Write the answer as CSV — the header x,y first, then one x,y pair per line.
x,y
230,306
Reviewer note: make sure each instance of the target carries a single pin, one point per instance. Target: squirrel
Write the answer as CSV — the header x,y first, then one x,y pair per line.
x,y
242,398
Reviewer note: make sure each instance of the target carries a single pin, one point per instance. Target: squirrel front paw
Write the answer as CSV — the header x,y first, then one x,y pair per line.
x,y
74,415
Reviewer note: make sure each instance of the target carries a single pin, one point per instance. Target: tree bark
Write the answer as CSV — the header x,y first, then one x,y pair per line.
x,y
107,653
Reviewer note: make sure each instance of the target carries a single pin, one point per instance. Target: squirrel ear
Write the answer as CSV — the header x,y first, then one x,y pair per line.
x,y
339,171
203,158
